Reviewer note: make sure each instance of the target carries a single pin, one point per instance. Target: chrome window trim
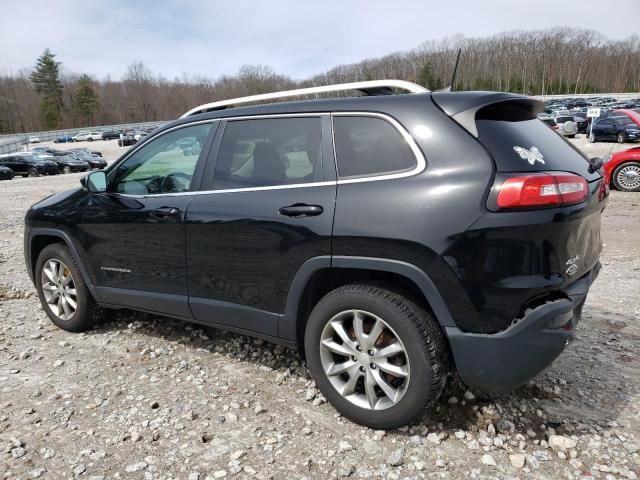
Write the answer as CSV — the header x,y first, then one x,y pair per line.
x,y
420,159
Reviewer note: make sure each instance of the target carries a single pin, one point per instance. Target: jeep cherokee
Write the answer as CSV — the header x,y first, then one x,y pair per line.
x,y
393,237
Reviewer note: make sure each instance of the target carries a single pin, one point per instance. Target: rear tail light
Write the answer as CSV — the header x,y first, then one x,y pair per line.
x,y
541,190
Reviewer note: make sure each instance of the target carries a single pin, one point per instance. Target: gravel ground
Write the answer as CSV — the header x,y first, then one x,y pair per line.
x,y
148,397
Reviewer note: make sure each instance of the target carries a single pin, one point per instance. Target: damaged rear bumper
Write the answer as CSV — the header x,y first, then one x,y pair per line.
x,y
502,361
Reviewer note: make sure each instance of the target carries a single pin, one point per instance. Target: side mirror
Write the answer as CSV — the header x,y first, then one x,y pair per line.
x,y
596,164
95,182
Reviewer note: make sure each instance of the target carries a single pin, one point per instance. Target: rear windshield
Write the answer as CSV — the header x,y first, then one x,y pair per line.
x,y
564,119
521,143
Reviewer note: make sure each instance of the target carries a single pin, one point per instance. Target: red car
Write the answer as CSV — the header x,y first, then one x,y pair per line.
x,y
632,114
622,169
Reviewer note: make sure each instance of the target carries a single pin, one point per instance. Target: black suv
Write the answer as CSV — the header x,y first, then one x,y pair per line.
x,y
394,238
111,134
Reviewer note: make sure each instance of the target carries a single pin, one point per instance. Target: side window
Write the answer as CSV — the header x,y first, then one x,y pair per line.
x,y
268,152
367,146
164,165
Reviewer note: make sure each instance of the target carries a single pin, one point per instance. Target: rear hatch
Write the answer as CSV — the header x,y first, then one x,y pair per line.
x,y
529,249
502,121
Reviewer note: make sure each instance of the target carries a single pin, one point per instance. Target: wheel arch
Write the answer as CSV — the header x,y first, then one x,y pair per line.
x,y
320,275
40,238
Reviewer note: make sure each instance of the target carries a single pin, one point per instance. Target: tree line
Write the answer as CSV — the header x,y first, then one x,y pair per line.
x,y
541,62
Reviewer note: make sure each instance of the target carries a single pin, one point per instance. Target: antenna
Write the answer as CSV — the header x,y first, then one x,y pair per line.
x,y
453,77
455,71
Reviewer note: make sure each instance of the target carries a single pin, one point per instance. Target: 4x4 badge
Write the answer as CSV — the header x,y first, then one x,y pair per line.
x,y
532,155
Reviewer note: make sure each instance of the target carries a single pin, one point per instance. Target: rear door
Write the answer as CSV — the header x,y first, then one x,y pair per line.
x,y
267,208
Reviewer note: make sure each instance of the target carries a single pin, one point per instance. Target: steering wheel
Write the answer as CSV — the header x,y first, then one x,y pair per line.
x,y
175,185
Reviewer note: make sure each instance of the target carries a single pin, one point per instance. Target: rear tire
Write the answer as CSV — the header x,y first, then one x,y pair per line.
x,y
419,367
86,311
626,177
621,137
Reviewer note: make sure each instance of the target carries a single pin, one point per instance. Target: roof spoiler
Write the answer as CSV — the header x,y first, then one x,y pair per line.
x,y
464,106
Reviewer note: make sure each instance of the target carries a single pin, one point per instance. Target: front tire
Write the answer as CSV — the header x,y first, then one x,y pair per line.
x,y
621,137
33,172
592,138
66,169
62,291
378,357
626,177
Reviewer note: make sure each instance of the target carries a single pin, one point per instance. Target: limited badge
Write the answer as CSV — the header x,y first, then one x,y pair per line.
x,y
572,268
532,155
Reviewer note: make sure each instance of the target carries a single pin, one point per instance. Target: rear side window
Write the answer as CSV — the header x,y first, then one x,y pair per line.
x,y
367,146
269,152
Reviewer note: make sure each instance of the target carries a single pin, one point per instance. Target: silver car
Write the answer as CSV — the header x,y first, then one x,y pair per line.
x,y
566,126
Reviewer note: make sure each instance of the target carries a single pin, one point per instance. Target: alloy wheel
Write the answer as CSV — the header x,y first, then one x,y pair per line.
x,y
59,289
364,360
629,177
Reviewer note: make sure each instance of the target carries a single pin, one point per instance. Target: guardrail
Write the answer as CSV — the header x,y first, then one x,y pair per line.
x,y
617,96
10,145
51,135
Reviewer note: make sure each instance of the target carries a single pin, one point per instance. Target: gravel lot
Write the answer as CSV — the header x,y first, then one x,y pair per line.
x,y
149,397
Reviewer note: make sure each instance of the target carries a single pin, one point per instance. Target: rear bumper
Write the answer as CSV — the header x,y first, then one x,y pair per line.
x,y
503,361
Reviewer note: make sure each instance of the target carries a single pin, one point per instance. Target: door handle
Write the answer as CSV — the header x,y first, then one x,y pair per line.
x,y
164,212
301,210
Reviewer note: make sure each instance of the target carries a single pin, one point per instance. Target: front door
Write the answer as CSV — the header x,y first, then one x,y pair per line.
x,y
134,233
269,209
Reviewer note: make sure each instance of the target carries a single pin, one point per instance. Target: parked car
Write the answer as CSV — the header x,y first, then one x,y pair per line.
x,y
28,165
90,136
139,134
620,129
550,122
66,162
582,123
34,139
94,161
111,134
623,169
631,114
6,173
332,233
87,150
44,150
66,138
127,140
566,126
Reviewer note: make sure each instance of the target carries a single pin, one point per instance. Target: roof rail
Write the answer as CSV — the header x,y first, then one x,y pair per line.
x,y
371,87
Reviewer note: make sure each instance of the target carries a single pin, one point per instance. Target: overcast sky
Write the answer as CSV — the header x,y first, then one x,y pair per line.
x,y
296,37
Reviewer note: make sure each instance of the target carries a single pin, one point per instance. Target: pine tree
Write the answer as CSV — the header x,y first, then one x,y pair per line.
x,y
46,80
425,76
85,99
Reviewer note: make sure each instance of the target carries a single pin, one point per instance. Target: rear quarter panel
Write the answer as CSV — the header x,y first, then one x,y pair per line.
x,y
414,219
